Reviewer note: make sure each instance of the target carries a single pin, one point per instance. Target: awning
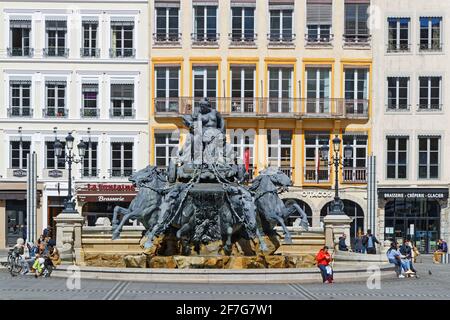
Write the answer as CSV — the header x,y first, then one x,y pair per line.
x,y
167,3
281,4
243,3
20,24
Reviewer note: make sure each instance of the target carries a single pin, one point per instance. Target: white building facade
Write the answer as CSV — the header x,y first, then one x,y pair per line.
x,y
411,117
71,67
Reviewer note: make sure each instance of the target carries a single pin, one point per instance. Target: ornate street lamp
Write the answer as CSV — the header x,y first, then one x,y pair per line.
x,y
337,206
69,159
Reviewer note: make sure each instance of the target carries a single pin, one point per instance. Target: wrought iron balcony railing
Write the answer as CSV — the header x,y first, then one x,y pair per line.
x,y
90,112
56,52
267,107
362,40
205,39
284,39
55,112
122,52
20,52
433,47
87,173
25,112
167,38
319,40
120,172
394,47
242,39
122,112
356,175
314,174
90,52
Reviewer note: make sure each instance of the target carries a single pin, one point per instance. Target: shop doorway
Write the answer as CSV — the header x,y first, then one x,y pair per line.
x,y
16,221
55,207
417,219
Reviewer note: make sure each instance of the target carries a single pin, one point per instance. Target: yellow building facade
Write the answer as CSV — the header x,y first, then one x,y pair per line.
x,y
286,75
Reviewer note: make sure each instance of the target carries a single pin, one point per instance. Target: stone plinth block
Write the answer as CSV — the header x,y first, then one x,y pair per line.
x,y
139,261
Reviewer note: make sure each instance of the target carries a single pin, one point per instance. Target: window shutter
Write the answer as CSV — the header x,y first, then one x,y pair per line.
x,y
167,3
20,24
122,91
56,25
243,3
358,1
122,21
319,12
281,4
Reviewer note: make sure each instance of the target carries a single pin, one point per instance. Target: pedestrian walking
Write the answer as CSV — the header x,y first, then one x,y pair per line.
x,y
324,259
369,242
359,242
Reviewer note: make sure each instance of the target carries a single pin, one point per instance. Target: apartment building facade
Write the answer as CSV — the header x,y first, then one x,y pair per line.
x,y
71,67
286,75
410,121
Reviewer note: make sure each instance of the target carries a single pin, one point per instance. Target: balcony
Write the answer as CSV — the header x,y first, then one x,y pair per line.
x,y
205,39
287,171
319,41
429,107
20,52
122,173
122,53
309,108
52,112
90,52
20,112
316,175
242,40
55,174
281,40
357,40
429,48
87,173
56,52
167,39
90,112
122,113
16,172
393,47
354,175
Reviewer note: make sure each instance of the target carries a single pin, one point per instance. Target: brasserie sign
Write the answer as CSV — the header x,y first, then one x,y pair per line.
x,y
420,193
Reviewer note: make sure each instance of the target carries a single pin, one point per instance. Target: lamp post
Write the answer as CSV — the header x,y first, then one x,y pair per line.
x,y
70,158
337,206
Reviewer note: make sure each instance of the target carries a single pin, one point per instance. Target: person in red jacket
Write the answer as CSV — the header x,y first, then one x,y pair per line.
x,y
323,259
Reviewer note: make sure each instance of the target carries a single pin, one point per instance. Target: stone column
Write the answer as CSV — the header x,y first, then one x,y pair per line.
x,y
68,236
3,224
335,226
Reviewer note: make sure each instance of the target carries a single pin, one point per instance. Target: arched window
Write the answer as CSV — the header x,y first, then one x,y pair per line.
x,y
351,209
295,216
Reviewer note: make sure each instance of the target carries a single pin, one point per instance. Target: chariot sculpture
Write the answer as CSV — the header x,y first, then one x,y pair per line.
x,y
204,196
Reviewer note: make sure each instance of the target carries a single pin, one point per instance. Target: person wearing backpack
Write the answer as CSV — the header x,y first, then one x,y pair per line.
x,y
323,259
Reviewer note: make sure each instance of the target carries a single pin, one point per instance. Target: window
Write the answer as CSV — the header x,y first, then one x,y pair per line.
x,y
429,157
280,89
89,48
20,98
122,100
356,16
318,21
20,31
397,155
56,99
122,38
356,90
398,37
56,31
90,160
122,159
52,161
430,34
205,24
242,140
430,93
167,88
355,168
167,24
205,84
281,26
89,92
166,147
316,169
19,151
398,93
243,89
279,148
243,24
318,89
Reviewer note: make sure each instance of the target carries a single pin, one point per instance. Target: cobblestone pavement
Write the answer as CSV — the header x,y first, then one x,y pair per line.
x,y
428,287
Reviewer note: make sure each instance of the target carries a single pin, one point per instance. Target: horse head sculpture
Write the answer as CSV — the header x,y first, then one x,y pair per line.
x,y
147,175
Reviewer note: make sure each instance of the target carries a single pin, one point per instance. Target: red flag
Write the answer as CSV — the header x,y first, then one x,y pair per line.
x,y
247,159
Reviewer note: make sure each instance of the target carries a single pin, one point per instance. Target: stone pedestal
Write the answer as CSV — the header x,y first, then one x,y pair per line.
x,y
68,236
335,226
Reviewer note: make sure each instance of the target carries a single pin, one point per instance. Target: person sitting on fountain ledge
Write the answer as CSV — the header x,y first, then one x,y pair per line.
x,y
342,244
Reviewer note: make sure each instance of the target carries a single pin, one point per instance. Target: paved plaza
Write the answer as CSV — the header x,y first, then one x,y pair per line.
x,y
434,286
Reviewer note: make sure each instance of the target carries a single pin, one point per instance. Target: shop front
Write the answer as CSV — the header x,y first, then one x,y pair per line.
x,y
413,213
99,199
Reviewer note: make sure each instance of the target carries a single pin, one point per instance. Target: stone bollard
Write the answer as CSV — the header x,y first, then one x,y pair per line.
x,y
335,226
68,236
